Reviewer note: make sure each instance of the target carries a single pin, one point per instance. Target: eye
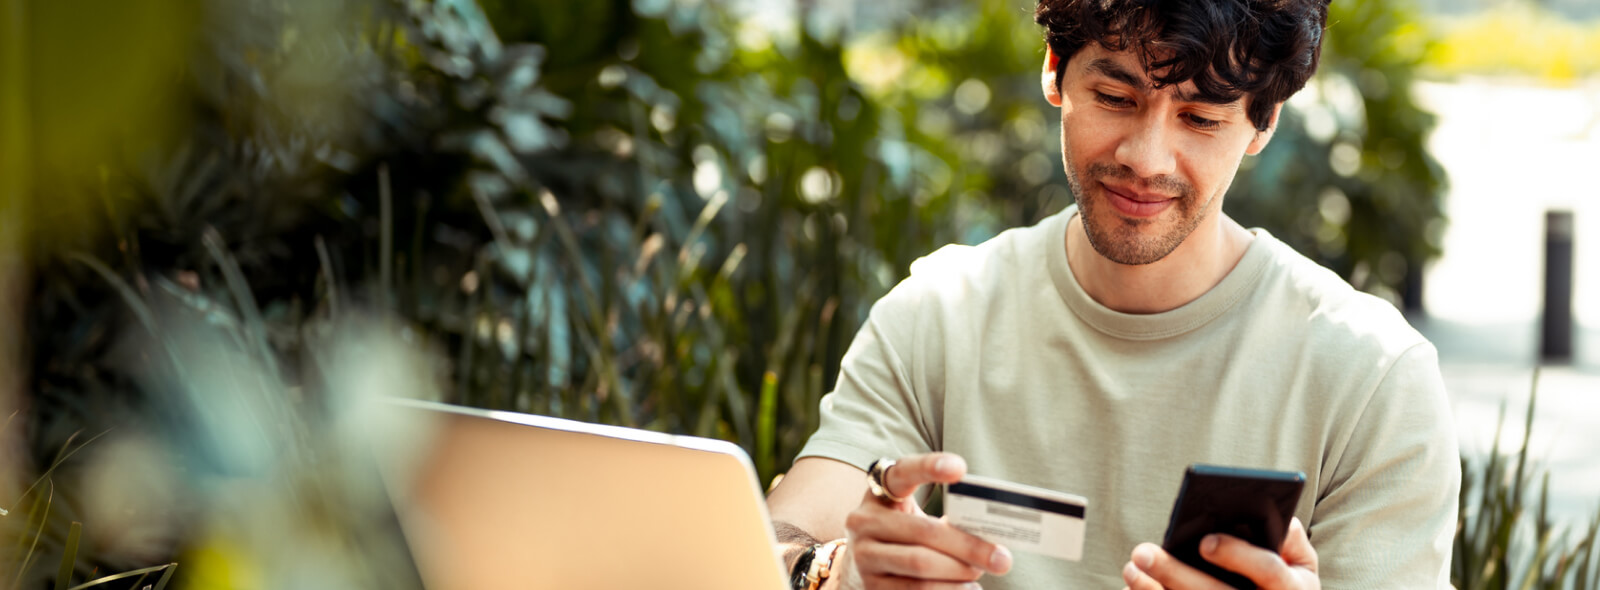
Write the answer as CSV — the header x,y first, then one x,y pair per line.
x,y
1202,123
1115,102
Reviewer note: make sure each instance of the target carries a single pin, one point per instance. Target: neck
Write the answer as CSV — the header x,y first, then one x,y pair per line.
x,y
1204,258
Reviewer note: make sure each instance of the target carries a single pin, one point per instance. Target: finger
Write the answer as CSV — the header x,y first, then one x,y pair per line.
x,y
1164,570
912,561
909,473
899,583
1262,566
875,522
1137,579
1297,550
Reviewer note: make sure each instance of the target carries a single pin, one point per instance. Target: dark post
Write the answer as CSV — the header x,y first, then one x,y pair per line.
x,y
1555,341
1411,296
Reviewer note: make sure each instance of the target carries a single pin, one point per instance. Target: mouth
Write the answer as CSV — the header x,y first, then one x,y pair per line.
x,y
1133,203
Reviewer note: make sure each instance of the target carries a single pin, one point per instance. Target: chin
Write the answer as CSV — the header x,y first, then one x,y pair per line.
x,y
1132,241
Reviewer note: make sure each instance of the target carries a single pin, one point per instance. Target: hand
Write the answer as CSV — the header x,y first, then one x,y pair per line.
x,y
898,546
1294,567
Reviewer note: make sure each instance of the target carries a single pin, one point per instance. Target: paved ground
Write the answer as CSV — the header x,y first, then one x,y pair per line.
x,y
1513,152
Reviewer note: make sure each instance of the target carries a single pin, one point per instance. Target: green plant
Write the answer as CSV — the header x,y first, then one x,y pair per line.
x,y
1505,538
644,213
1348,180
33,536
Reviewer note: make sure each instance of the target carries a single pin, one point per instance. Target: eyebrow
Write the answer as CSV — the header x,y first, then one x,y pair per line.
x,y
1113,70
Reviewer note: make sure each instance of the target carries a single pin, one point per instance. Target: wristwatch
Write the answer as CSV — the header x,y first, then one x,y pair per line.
x,y
815,565
822,563
802,566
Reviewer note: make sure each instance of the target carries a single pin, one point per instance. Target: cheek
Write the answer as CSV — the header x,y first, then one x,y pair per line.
x,y
1088,139
1207,165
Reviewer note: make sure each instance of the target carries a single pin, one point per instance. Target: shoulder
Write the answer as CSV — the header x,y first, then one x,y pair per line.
x,y
964,275
996,254
1330,312
1357,351
958,293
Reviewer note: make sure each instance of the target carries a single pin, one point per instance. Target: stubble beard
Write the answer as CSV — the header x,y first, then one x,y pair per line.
x,y
1120,239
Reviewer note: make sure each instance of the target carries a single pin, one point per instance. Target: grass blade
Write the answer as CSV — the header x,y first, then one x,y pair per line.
x,y
766,424
146,317
255,326
60,458
43,519
69,557
166,576
386,232
333,278
168,567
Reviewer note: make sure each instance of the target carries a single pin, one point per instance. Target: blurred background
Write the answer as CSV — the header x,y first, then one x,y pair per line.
x,y
227,226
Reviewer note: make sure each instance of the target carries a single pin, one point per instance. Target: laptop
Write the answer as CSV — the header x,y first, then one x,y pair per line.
x,y
490,500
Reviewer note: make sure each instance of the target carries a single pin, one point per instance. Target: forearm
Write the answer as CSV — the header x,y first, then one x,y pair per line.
x,y
810,504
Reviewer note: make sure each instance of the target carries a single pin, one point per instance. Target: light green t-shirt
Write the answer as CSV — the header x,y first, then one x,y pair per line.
x,y
996,353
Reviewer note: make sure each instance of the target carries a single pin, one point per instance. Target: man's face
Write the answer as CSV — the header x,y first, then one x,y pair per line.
x,y
1147,166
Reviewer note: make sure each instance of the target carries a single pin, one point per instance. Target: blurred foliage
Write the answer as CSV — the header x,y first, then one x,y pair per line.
x,y
1505,537
640,212
77,131
1348,180
1518,39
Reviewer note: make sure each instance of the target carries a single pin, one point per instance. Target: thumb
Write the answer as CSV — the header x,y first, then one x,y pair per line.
x,y
912,472
1297,550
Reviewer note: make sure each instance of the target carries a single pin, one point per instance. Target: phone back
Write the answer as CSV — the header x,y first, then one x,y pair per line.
x,y
1252,504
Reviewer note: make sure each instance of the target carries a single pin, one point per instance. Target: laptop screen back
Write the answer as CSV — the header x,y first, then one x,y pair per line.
x,y
502,500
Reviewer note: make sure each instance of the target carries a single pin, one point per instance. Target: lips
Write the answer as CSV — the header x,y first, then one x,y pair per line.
x,y
1136,204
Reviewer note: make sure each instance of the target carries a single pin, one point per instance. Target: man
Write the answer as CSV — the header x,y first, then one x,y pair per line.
x,y
1102,351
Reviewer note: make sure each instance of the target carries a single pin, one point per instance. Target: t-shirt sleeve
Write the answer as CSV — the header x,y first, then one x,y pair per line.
x,y
878,407
1387,517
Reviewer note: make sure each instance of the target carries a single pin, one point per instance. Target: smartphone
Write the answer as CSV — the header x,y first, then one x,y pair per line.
x,y
1251,504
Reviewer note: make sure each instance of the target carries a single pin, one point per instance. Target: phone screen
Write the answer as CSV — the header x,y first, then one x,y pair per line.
x,y
1251,504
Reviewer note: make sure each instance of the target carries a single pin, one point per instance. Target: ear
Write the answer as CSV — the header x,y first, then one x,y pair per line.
x,y
1047,79
1259,142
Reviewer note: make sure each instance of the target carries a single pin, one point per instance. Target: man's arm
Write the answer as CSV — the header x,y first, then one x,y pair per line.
x,y
890,544
810,505
1386,514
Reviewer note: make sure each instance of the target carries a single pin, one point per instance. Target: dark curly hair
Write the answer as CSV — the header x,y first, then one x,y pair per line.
x,y
1264,49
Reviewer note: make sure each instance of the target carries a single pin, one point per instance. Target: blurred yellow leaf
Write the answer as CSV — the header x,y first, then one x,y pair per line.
x,y
218,563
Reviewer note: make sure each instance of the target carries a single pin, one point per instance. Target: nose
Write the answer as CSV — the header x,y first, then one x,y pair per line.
x,y
1147,149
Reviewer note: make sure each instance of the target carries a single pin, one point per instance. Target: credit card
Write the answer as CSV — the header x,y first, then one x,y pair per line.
x,y
1020,517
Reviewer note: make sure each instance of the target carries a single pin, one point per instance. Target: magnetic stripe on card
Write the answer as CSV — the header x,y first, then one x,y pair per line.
x,y
1016,499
